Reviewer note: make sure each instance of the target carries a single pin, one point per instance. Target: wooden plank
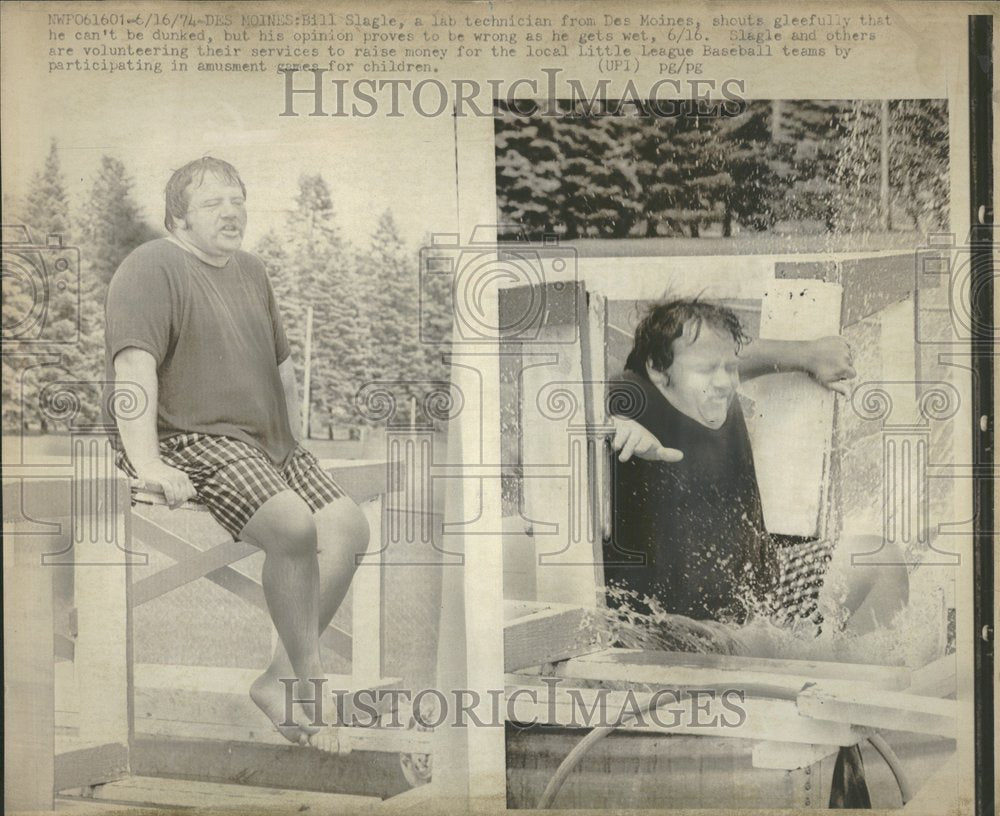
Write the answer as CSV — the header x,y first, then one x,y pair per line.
x,y
936,679
557,487
895,278
519,559
673,670
883,677
158,537
707,715
359,738
893,710
101,648
207,702
366,602
72,803
792,426
594,336
92,765
362,479
554,632
179,793
363,773
790,756
29,689
225,680
190,569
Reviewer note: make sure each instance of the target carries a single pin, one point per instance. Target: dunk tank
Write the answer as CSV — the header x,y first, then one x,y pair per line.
x,y
607,711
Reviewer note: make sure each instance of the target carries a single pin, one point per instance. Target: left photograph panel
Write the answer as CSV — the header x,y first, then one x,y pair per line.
x,y
224,379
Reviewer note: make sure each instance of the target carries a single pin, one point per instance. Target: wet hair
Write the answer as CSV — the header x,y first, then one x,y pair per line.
x,y
664,322
177,194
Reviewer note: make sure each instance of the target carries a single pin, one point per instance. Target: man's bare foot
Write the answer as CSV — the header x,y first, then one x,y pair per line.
x,y
268,692
332,739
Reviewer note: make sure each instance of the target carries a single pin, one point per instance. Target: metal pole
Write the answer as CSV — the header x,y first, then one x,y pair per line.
x,y
884,217
306,385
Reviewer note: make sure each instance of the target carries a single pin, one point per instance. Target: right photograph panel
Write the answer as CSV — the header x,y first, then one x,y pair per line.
x,y
731,438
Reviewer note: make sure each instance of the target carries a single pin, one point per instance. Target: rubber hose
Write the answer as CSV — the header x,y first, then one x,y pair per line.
x,y
905,788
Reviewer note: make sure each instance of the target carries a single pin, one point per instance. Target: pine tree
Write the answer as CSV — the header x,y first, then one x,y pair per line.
x,y
49,310
111,226
809,140
46,205
918,162
311,265
600,190
528,160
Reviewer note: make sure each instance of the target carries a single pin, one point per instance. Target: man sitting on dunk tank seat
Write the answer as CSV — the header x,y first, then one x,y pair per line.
x,y
193,327
688,526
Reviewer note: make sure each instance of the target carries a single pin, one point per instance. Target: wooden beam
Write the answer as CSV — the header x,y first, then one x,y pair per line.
x,y
557,478
190,569
893,710
159,538
29,689
362,479
359,738
547,633
792,426
187,794
93,765
936,679
362,773
209,702
704,714
883,677
671,670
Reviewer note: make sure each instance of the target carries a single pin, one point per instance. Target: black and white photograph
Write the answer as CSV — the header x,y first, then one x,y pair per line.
x,y
746,542
460,407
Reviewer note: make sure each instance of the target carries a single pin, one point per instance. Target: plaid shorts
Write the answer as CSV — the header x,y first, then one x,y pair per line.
x,y
804,565
234,479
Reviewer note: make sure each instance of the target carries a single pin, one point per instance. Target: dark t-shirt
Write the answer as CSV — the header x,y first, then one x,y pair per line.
x,y
217,338
692,532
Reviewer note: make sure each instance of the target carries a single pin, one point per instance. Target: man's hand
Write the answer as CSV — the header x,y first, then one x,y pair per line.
x,y
633,439
177,487
828,360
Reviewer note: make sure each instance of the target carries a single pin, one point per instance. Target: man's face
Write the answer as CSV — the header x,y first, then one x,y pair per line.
x,y
216,217
703,378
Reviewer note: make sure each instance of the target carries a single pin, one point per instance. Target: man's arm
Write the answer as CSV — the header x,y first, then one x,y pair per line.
x,y
286,369
136,368
827,360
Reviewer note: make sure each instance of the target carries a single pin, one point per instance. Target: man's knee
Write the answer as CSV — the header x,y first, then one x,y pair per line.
x,y
879,564
343,523
284,523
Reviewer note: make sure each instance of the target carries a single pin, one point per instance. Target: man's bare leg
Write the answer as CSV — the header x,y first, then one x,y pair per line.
x,y
876,588
342,533
284,528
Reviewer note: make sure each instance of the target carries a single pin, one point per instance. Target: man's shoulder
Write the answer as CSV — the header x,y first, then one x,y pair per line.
x,y
629,396
147,258
249,262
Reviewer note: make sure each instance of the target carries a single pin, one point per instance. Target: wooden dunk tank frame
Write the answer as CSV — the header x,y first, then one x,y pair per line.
x,y
798,712
95,717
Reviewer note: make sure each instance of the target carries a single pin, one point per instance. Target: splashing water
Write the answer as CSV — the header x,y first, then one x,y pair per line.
x,y
908,640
